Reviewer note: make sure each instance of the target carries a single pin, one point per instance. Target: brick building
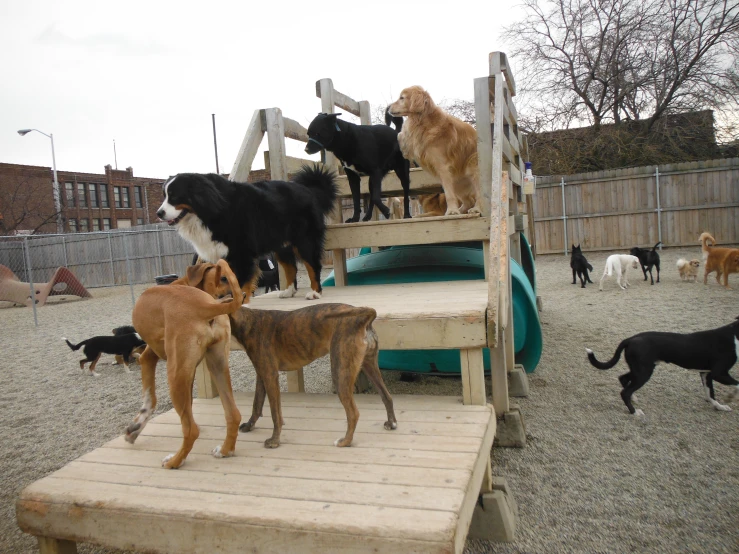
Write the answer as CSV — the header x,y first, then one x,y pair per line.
x,y
90,201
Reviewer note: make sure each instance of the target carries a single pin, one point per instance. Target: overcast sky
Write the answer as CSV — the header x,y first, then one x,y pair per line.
x,y
150,74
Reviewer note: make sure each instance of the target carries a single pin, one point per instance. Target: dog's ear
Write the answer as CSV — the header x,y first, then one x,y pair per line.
x,y
420,101
196,273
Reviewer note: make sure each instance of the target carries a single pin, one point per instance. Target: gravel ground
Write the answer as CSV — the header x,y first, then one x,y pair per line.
x,y
591,479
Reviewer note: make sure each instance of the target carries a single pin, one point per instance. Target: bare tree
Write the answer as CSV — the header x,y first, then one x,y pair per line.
x,y
24,206
606,61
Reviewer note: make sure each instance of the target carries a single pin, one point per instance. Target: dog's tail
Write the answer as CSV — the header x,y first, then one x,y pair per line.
x,y
704,238
590,267
209,311
656,245
610,363
681,263
74,346
322,182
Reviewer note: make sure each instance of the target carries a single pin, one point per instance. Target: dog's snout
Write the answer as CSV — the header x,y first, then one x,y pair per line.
x,y
160,214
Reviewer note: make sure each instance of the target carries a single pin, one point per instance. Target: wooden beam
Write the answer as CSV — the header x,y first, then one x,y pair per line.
x,y
249,147
499,65
365,114
48,545
295,130
422,182
394,232
292,164
473,376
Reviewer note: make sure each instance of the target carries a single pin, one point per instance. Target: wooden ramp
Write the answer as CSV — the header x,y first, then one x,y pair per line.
x,y
409,490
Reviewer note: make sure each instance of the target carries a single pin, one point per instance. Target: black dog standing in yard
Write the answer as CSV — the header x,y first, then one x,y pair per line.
x,y
369,149
580,266
647,259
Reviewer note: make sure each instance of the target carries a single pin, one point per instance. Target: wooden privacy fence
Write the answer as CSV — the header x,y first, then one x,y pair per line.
x,y
621,208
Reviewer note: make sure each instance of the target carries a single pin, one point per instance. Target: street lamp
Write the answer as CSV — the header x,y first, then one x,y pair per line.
x,y
57,199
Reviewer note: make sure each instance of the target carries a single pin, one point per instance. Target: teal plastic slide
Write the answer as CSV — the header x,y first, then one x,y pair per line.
x,y
450,262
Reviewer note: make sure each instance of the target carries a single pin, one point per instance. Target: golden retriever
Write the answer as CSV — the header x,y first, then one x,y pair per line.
x,y
688,269
441,144
721,260
432,204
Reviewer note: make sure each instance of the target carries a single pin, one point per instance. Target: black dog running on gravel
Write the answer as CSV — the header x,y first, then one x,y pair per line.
x,y
712,353
580,266
95,347
647,259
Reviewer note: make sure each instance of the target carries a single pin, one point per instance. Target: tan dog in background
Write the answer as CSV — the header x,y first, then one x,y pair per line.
x,y
688,269
278,340
184,325
441,144
719,259
432,204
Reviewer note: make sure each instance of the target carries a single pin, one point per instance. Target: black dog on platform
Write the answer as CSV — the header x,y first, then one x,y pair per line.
x,y
647,259
369,149
580,266
93,348
712,353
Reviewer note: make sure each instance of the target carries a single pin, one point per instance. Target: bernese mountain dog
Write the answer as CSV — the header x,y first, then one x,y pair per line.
x,y
241,221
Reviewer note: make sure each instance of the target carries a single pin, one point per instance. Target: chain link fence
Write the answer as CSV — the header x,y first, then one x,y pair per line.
x,y
36,267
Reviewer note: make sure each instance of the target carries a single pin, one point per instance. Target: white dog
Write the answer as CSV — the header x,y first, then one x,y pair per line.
x,y
619,264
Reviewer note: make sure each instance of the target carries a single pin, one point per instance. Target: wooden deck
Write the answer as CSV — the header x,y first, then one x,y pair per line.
x,y
448,314
409,490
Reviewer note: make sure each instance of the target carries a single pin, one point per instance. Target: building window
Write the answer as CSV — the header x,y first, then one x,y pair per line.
x,y
95,224
140,221
104,196
106,224
137,197
93,188
81,201
84,226
125,200
72,224
117,196
69,187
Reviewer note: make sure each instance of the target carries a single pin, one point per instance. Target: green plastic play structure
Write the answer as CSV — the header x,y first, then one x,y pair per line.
x,y
450,262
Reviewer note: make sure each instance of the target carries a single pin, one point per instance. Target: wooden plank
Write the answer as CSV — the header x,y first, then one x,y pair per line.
x,y
295,130
47,545
421,182
346,103
249,148
204,381
107,515
473,377
499,64
293,164
418,231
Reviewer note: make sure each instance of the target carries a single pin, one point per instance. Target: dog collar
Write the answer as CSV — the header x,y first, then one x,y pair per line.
x,y
318,143
177,219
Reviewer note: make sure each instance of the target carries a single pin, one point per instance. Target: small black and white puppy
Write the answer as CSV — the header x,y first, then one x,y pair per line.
x,y
647,259
712,353
369,149
93,348
580,266
269,277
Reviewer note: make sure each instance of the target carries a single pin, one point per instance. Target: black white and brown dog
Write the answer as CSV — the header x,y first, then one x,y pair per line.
x,y
241,221
712,353
94,347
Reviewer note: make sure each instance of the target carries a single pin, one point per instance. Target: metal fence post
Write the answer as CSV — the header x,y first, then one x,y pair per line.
x,y
110,250
659,209
64,249
128,268
30,280
159,251
564,213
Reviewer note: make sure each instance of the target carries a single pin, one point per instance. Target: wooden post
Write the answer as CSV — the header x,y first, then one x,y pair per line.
x,y
206,386
47,545
473,376
249,147
325,91
484,156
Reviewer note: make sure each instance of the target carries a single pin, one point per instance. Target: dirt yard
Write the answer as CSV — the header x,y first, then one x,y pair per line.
x,y
591,479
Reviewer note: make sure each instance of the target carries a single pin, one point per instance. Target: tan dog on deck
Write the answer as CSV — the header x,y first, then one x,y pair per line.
x,y
278,340
719,259
432,204
441,144
183,324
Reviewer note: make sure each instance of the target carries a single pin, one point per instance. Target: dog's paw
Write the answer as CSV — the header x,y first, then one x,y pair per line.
x,y
217,452
289,292
720,407
474,210
342,442
452,212
638,413
313,295
93,374
271,443
166,462
246,427
391,425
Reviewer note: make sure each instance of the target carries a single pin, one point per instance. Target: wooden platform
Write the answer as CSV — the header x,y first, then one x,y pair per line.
x,y
409,490
449,314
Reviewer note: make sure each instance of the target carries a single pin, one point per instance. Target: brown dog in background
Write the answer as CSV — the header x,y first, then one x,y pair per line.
x,y
719,259
432,204
278,340
441,144
184,325
688,269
